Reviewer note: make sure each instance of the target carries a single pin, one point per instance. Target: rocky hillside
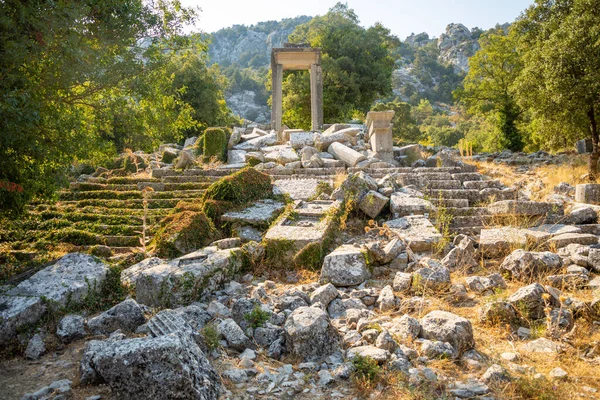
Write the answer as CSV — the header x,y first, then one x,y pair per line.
x,y
250,46
427,67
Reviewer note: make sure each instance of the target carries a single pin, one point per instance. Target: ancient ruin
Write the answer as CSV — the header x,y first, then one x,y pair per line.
x,y
297,57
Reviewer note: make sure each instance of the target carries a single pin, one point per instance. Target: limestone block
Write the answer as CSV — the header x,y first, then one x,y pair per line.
x,y
345,266
588,193
402,204
373,203
299,140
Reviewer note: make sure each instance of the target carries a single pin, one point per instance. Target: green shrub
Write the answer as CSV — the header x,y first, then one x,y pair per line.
x,y
211,336
365,368
182,233
215,144
257,317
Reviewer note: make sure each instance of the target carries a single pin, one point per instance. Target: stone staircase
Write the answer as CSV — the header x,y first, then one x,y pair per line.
x,y
110,211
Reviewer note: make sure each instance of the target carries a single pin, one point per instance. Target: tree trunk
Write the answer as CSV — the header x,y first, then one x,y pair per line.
x,y
593,168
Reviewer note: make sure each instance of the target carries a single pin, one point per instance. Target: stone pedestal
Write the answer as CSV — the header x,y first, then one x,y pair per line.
x,y
588,193
379,133
584,146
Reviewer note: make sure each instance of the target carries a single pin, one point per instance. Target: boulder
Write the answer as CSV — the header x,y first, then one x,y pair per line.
x,y
57,390
386,299
235,336
35,348
310,334
448,327
324,295
406,327
345,266
525,265
431,279
125,316
485,284
71,327
166,367
529,301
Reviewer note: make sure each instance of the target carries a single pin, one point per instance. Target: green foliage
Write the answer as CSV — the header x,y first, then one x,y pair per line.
x,y
215,144
560,81
488,87
85,80
211,336
183,232
357,67
365,368
257,317
202,89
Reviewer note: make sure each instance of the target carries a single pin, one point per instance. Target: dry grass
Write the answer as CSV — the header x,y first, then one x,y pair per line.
x,y
338,179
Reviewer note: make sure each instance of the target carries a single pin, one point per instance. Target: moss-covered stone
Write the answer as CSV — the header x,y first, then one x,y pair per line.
x,y
184,232
215,144
238,189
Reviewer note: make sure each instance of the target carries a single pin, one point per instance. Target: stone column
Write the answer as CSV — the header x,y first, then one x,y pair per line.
x,y
316,96
344,153
276,84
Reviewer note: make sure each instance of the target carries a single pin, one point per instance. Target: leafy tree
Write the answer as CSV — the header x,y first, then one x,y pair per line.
x,y
202,89
440,79
357,67
560,80
63,67
488,87
405,128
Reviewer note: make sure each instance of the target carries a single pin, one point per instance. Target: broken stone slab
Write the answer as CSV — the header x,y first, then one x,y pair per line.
x,y
164,367
235,336
344,153
299,140
542,345
70,278
185,279
129,275
125,316
261,213
297,189
417,231
373,203
485,284
525,208
499,241
588,193
60,389
310,334
345,266
566,239
71,327
16,312
402,204
236,157
257,143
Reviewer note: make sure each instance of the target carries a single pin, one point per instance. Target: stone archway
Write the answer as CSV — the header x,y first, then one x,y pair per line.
x,y
297,57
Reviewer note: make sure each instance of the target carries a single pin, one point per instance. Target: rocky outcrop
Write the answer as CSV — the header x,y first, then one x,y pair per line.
x,y
165,367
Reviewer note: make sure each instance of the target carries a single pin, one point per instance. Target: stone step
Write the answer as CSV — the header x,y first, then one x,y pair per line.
x,y
467,211
220,172
156,186
469,194
189,179
451,203
467,221
127,195
479,185
468,176
443,184
467,230
131,204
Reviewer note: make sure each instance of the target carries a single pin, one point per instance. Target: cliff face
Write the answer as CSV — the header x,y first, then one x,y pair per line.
x,y
250,46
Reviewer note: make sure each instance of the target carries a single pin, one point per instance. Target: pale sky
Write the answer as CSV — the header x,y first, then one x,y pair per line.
x,y
402,17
